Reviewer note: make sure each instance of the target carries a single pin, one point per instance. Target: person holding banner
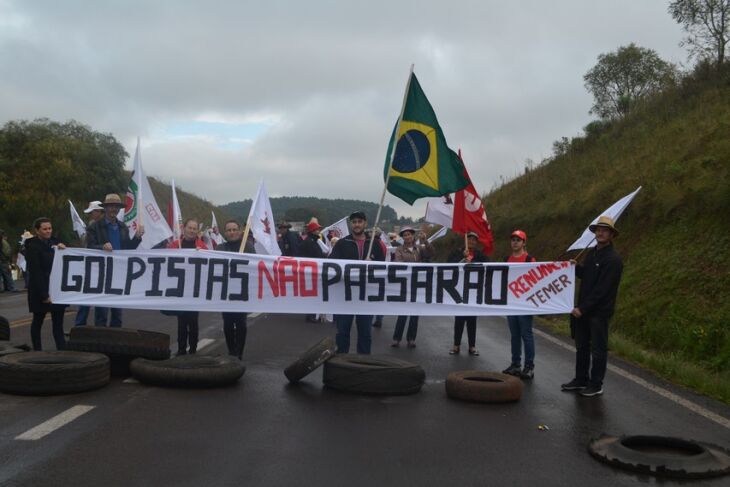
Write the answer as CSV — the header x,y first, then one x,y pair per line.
x,y
310,248
468,254
354,247
95,212
39,252
520,327
410,252
234,324
187,321
110,233
600,276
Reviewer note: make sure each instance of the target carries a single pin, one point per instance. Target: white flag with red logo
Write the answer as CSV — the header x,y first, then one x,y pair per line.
x,y
215,231
261,219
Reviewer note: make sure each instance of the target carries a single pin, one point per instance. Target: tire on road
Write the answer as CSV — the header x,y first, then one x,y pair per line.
x,y
120,342
312,358
483,386
662,456
192,371
4,328
373,374
9,348
49,373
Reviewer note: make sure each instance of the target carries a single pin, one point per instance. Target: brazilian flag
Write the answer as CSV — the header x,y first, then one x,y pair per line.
x,y
423,165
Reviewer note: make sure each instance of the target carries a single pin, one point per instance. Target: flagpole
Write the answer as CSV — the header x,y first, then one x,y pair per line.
x,y
245,235
139,189
390,163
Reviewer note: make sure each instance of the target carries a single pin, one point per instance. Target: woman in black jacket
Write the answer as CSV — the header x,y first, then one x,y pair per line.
x,y
39,252
470,254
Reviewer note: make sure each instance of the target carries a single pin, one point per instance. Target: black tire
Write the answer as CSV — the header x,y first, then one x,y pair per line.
x,y
373,374
9,348
662,456
48,373
120,342
483,386
193,371
4,328
312,358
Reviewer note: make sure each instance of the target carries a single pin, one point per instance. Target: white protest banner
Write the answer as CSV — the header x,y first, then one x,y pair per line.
x,y
203,280
78,224
261,219
614,211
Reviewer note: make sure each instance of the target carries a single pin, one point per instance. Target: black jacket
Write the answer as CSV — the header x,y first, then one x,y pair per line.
x,y
236,246
39,259
347,249
458,256
310,248
599,276
289,244
96,235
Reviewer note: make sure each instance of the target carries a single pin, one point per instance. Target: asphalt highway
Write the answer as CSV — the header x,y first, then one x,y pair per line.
x,y
264,431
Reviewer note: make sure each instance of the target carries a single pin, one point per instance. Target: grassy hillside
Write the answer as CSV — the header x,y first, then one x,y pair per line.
x,y
674,238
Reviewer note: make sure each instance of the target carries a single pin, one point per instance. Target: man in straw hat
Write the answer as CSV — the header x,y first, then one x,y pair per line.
x,y
600,275
109,233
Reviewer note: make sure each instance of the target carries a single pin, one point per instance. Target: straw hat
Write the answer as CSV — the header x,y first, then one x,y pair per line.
x,y
603,221
112,199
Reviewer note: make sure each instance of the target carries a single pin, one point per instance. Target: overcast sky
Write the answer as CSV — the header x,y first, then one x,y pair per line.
x,y
305,94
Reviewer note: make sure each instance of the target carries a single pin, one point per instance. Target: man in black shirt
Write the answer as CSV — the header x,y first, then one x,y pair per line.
x,y
600,275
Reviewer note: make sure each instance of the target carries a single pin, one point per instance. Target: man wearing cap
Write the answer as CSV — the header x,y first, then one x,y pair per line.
x,y
520,327
109,233
310,248
95,212
288,241
600,275
355,247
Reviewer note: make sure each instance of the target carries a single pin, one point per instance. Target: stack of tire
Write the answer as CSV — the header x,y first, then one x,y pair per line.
x,y
121,345
358,374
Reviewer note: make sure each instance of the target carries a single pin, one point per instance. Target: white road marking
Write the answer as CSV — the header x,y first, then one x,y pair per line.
x,y
204,342
54,423
694,407
131,380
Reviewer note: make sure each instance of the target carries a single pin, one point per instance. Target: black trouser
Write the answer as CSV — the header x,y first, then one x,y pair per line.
x,y
591,344
471,330
35,329
234,328
187,329
400,324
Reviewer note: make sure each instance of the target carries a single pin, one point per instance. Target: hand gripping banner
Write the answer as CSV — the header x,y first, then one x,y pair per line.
x,y
200,280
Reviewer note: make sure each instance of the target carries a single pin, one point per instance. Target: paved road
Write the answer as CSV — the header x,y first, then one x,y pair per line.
x,y
266,432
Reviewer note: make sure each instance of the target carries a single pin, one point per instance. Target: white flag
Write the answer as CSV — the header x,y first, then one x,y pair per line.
x,y
149,215
176,214
78,223
338,229
215,231
440,211
438,234
614,211
261,219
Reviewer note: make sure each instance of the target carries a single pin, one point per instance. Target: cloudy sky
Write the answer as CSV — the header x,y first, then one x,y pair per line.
x,y
305,94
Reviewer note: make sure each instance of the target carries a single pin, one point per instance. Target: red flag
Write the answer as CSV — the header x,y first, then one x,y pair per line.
x,y
470,216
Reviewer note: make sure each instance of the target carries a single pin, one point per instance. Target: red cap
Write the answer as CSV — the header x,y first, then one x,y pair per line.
x,y
312,226
519,234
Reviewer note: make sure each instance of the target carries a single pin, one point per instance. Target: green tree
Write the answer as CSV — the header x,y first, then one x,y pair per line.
x,y
707,23
621,78
45,163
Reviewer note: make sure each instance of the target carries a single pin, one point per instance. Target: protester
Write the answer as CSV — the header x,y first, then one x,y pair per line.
x,y
21,262
469,254
520,327
187,321
234,324
95,212
599,276
355,247
6,258
378,321
310,248
39,252
394,242
410,252
110,233
288,240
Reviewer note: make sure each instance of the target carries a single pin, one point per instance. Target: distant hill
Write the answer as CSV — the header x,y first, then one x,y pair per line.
x,y
302,208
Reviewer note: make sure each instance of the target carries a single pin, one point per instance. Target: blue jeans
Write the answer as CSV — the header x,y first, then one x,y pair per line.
x,y
364,338
520,327
101,315
82,315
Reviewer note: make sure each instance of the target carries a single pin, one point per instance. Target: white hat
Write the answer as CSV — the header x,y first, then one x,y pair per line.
x,y
94,205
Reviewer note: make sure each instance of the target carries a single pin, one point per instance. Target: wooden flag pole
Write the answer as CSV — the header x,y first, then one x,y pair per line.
x,y
390,163
586,248
245,235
